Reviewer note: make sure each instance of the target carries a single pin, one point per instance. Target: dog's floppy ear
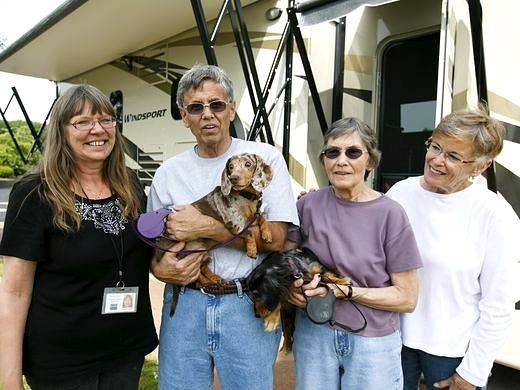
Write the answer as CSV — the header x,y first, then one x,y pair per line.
x,y
225,183
262,176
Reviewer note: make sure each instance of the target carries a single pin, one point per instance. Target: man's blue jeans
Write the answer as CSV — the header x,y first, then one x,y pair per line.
x,y
434,368
214,331
327,358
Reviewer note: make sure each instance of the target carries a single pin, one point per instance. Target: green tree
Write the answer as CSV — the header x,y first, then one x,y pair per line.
x,y
9,155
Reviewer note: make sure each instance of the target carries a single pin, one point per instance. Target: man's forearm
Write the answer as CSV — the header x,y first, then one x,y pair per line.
x,y
218,232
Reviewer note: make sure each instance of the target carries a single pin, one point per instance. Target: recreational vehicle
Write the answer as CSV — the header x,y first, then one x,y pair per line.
x,y
399,65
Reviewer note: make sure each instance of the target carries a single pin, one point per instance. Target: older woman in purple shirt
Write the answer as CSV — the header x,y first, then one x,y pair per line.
x,y
367,237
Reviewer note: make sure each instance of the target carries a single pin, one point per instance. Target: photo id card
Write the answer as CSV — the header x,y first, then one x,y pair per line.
x,y
117,300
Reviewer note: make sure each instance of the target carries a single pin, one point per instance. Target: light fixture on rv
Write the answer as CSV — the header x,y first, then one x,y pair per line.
x,y
273,13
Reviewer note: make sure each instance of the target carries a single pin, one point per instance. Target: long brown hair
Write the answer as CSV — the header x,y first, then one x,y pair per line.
x,y
57,169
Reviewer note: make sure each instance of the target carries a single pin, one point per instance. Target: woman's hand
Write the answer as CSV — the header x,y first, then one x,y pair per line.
x,y
455,382
303,193
15,384
310,289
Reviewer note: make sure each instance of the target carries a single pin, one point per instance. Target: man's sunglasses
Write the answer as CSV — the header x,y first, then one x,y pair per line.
x,y
198,108
352,153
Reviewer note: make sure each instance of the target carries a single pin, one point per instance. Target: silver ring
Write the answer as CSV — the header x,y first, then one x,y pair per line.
x,y
205,293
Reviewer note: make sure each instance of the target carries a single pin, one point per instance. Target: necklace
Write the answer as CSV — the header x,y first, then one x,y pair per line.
x,y
93,194
119,255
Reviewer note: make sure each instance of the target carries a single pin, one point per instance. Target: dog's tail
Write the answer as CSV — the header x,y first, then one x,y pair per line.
x,y
288,314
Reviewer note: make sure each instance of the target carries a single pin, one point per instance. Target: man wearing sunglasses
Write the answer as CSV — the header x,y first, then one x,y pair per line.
x,y
211,331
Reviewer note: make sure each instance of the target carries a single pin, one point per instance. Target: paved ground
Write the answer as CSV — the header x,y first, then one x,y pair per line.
x,y
5,188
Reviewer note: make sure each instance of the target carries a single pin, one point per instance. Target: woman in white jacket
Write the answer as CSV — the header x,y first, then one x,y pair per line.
x,y
468,239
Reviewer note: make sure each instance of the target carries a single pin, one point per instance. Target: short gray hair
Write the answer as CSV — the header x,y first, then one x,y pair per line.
x,y
199,73
475,125
347,126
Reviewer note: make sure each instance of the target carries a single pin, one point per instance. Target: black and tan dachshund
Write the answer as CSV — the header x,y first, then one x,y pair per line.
x,y
270,282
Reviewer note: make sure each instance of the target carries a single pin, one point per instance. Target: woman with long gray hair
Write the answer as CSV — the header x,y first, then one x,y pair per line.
x,y
71,257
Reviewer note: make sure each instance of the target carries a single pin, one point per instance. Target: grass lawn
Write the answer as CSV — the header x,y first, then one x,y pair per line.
x,y
148,379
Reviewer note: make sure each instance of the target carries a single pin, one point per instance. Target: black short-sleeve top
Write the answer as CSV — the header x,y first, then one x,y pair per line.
x,y
66,335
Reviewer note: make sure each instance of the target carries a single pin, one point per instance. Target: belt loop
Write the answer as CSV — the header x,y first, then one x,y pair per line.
x,y
240,292
182,289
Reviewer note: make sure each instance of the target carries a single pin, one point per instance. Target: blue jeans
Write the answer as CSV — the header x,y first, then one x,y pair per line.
x,y
214,331
327,358
434,368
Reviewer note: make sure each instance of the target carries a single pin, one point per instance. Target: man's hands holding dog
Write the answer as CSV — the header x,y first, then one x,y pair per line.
x,y
310,289
188,224
170,269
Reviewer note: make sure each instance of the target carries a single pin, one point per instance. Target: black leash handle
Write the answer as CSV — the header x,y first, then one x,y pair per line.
x,y
333,322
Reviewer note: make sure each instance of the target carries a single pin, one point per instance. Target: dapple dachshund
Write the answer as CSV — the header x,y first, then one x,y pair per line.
x,y
234,203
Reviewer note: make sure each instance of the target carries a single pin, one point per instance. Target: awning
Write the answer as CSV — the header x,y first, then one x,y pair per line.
x,y
319,11
84,34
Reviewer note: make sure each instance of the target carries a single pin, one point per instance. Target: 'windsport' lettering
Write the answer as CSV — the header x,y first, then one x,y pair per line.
x,y
144,115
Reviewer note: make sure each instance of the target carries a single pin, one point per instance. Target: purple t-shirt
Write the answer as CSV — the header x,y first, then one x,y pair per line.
x,y
365,241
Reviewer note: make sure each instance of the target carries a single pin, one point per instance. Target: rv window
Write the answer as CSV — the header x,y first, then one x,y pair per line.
x,y
418,117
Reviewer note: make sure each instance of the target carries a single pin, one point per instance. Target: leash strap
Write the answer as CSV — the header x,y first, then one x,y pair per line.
x,y
147,240
331,320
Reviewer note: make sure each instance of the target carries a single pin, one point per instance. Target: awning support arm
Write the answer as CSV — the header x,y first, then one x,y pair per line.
x,y
475,16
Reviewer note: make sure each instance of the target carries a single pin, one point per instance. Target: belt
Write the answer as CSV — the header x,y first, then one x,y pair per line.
x,y
220,289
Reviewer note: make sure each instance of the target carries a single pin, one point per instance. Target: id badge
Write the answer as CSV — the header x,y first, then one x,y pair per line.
x,y
120,300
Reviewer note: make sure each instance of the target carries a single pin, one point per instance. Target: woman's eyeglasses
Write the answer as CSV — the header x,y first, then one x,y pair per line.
x,y
352,153
198,108
435,149
88,124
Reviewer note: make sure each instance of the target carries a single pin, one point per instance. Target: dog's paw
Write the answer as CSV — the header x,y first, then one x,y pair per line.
x,y
345,281
267,237
252,252
271,324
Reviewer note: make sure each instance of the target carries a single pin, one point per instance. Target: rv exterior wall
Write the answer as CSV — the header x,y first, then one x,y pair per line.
x,y
368,31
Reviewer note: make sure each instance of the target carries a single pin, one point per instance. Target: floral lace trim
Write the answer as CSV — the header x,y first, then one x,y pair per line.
x,y
106,216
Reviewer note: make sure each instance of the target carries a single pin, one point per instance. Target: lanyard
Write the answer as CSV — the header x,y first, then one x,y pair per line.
x,y
119,255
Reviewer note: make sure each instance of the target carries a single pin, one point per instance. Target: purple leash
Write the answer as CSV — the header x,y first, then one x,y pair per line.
x,y
150,226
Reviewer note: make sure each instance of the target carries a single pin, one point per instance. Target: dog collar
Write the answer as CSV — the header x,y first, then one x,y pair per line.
x,y
295,271
249,195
